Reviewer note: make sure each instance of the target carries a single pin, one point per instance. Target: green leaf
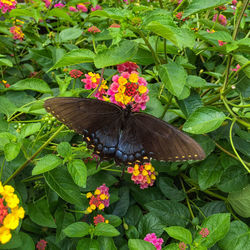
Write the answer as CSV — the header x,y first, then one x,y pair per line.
x,y
218,226
190,104
150,222
5,62
88,244
170,212
70,34
61,182
179,233
135,244
34,84
104,229
122,205
106,243
40,214
204,120
6,106
30,129
240,201
116,55
77,229
113,220
237,238
209,172
196,81
200,5
170,190
47,163
174,77
22,12
75,56
233,179
78,172
64,149
27,242
60,13
180,37
11,150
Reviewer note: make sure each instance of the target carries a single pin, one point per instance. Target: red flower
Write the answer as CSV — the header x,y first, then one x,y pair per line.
x,y
75,73
115,25
204,232
41,245
179,15
99,219
127,66
94,29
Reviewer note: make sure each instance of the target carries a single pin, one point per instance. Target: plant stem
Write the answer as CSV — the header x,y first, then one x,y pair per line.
x,y
235,151
33,156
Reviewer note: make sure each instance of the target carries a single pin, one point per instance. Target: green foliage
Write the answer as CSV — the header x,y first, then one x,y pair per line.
x,y
195,83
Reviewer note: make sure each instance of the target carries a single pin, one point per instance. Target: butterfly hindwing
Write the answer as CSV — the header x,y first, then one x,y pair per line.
x,y
165,142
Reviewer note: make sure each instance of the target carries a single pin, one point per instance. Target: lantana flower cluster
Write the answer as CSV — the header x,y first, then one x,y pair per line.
x,y
99,200
222,19
204,232
129,88
17,32
75,73
99,219
41,244
152,238
79,7
91,81
143,175
127,66
7,5
10,212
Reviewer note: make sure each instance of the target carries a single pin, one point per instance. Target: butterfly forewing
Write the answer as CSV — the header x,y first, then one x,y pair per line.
x,y
164,141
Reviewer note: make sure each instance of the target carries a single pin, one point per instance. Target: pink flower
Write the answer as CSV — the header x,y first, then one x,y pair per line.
x,y
59,5
182,246
221,43
157,242
73,9
82,7
41,245
97,7
237,68
47,3
222,19
93,29
179,15
17,32
204,232
7,5
234,2
127,66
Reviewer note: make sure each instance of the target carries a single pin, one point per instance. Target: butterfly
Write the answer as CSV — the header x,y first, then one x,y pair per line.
x,y
128,137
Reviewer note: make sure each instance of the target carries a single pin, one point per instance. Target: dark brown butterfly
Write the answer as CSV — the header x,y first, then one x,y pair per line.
x,y
120,134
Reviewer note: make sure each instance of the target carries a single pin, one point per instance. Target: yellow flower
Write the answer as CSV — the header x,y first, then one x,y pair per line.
x,y
144,172
136,167
102,196
12,200
133,77
136,172
106,197
101,206
142,89
122,80
106,99
4,82
148,167
152,176
11,221
126,99
1,188
19,212
5,235
91,74
97,192
148,179
119,97
121,89
107,221
9,189
89,195
93,207
89,210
